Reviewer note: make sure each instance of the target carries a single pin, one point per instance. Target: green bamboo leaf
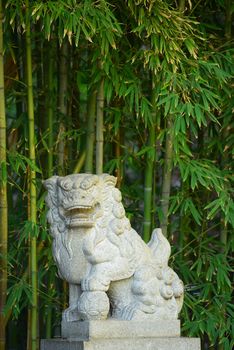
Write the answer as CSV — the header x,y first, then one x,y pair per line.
x,y
215,205
190,44
202,181
167,107
108,89
198,114
164,100
205,102
144,149
177,125
196,215
193,180
189,108
77,36
27,290
88,37
32,165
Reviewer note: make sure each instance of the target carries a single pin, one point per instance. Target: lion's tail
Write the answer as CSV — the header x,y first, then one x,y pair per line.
x,y
160,247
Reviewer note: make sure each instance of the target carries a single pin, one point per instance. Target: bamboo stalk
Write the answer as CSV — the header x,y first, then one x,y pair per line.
x,y
99,128
41,62
3,195
73,115
228,34
80,163
50,110
228,19
32,184
90,137
29,311
49,170
224,227
62,106
49,323
29,334
49,313
182,5
166,184
20,54
149,172
118,153
168,162
148,187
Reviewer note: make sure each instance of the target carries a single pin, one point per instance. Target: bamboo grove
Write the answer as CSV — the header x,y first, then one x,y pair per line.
x,y
142,90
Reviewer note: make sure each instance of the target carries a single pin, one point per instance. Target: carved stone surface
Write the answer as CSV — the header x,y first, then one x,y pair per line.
x,y
119,329
123,344
111,272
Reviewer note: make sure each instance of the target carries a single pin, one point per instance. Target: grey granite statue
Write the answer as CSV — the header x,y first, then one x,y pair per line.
x,y
111,272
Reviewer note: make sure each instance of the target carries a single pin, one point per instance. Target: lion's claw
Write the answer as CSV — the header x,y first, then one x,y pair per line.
x,y
71,314
92,284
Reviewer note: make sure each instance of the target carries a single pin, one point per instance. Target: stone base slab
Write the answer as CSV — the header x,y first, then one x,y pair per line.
x,y
123,344
112,329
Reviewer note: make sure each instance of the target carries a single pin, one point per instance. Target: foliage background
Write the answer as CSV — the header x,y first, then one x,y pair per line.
x,y
147,84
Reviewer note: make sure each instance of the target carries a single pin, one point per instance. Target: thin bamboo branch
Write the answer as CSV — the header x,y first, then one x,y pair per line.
x,y
3,194
118,154
62,106
32,183
228,19
166,185
148,187
25,276
90,137
50,111
99,128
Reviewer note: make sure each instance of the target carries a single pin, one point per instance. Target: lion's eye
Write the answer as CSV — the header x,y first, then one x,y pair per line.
x,y
66,185
85,185
89,182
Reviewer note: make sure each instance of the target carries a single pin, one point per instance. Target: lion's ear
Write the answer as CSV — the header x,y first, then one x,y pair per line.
x,y
108,180
51,186
51,183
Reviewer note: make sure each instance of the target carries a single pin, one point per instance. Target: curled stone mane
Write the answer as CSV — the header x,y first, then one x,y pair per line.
x,y
112,212
58,227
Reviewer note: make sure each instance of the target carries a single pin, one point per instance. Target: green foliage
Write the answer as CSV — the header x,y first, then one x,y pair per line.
x,y
208,308
129,45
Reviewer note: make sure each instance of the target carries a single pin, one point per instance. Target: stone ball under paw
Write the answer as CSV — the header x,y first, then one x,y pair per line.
x,y
93,305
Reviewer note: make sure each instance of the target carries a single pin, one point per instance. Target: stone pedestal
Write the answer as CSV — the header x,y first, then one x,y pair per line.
x,y
121,335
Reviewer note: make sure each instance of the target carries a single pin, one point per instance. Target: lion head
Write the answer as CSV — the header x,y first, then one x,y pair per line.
x,y
82,201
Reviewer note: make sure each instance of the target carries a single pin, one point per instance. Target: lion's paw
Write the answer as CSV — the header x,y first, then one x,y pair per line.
x,y
93,305
93,284
71,314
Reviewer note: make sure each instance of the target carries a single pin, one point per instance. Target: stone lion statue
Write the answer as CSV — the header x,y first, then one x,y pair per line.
x,y
110,270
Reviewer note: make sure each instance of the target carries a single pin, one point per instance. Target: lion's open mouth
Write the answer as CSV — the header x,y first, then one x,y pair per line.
x,y
80,216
